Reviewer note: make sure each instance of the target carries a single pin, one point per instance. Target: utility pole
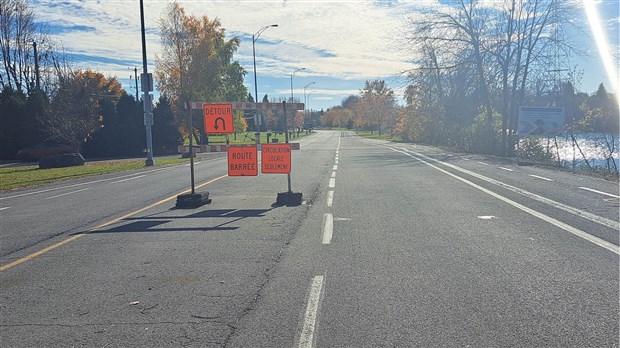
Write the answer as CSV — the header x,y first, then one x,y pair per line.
x,y
36,65
135,73
146,99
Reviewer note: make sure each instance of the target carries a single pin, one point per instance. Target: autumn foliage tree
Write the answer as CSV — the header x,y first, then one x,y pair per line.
x,y
75,109
196,62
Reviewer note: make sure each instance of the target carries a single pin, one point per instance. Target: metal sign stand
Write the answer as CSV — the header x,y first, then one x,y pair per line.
x,y
288,198
193,199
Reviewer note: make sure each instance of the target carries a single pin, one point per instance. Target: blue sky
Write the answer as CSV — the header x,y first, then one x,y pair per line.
x,y
340,43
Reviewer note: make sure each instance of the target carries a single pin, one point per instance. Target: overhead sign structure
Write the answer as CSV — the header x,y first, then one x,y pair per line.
x,y
540,121
242,160
218,118
276,158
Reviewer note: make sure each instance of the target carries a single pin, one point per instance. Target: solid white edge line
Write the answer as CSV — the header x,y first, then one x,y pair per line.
x,y
328,228
584,214
577,232
506,169
332,183
312,309
330,198
599,192
540,177
135,177
69,193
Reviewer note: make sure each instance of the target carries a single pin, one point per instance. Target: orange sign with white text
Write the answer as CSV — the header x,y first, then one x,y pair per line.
x,y
276,158
242,161
218,118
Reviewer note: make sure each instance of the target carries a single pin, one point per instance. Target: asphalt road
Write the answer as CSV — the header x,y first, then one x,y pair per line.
x,y
396,245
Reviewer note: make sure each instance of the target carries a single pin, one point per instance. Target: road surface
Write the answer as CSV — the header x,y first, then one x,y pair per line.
x,y
395,245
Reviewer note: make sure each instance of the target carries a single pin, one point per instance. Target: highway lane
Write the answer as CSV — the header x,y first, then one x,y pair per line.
x,y
74,206
397,253
386,251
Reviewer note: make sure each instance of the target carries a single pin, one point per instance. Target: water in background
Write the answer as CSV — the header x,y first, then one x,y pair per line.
x,y
594,147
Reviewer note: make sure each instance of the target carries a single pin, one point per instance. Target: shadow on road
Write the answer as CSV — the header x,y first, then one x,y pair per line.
x,y
156,223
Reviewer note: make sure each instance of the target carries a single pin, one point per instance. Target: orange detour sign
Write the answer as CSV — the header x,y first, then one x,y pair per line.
x,y
276,158
242,161
218,118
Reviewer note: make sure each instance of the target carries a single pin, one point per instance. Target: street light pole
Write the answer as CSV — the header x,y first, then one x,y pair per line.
x,y
306,86
293,74
255,37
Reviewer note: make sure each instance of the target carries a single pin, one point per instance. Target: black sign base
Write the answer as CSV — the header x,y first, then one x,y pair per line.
x,y
195,200
290,199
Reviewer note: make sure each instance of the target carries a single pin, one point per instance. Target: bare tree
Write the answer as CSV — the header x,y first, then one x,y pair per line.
x,y
19,33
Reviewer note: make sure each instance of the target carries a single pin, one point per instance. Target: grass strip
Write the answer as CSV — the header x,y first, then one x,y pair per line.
x,y
25,176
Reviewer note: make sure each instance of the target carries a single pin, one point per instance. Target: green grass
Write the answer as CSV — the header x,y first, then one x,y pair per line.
x,y
375,135
18,177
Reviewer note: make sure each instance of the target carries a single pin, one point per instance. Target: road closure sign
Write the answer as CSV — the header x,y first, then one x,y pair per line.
x,y
218,118
242,160
276,158
540,121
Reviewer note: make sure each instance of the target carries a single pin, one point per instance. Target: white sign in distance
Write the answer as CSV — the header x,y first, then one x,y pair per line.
x,y
538,121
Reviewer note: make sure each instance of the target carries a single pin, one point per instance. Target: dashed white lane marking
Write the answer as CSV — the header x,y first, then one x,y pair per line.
x,y
506,169
135,177
566,227
333,174
328,228
465,159
486,217
332,183
312,309
486,164
577,212
540,177
69,193
335,167
330,198
599,192
5,208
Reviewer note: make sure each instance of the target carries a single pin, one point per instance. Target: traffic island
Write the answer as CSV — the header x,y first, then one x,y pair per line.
x,y
193,200
290,199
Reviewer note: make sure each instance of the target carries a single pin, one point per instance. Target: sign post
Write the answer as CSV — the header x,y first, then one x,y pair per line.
x,y
276,159
193,199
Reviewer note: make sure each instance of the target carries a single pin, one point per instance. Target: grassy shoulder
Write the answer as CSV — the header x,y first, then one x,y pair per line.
x,y
375,135
25,176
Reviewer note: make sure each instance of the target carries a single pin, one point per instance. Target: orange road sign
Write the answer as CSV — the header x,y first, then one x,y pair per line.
x,y
218,118
276,158
242,160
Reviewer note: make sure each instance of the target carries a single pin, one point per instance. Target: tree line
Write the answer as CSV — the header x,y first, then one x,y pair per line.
x,y
476,63
44,97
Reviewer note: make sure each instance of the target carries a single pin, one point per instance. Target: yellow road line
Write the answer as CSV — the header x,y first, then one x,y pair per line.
x,y
72,238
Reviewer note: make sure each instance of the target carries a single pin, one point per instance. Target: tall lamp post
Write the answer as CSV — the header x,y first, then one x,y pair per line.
x,y
255,37
293,74
306,86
